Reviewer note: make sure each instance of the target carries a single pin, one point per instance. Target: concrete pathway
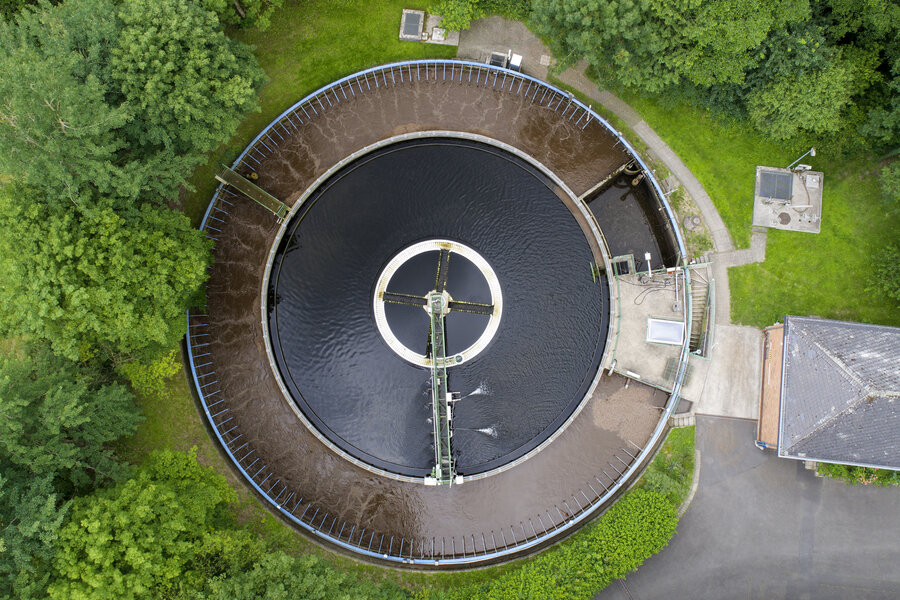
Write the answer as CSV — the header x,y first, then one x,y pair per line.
x,y
762,527
496,34
733,380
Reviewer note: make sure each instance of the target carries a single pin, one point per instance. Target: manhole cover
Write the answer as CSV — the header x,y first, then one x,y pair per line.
x,y
692,222
784,218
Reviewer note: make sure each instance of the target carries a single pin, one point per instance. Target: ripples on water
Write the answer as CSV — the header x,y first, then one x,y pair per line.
x,y
364,397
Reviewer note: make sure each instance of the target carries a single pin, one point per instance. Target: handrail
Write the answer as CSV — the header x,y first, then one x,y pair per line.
x,y
397,555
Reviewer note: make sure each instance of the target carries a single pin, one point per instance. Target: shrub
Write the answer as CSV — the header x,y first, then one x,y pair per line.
x,y
150,378
165,530
856,475
670,474
885,278
279,576
635,528
890,186
459,14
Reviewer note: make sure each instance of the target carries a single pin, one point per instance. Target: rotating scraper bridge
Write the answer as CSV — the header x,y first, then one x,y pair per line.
x,y
316,484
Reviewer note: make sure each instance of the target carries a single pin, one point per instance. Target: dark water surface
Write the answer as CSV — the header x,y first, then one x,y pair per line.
x,y
633,223
367,399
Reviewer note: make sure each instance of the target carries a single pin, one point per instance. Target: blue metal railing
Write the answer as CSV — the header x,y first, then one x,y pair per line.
x,y
252,467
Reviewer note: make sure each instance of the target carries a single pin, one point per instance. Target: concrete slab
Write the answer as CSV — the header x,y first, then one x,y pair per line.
x,y
639,299
411,24
439,35
496,34
754,254
788,199
723,294
735,372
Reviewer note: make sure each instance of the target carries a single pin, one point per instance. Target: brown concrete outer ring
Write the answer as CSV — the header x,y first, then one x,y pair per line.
x,y
578,158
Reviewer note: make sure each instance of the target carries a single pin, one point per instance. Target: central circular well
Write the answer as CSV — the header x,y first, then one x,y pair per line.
x,y
476,309
530,354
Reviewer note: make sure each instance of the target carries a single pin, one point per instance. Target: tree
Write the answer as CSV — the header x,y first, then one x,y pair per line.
x,y
652,45
62,131
883,123
95,277
785,107
56,423
191,85
10,7
118,103
165,531
246,13
723,37
30,517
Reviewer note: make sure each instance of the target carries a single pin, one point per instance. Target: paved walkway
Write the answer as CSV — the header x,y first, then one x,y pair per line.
x,y
734,377
764,527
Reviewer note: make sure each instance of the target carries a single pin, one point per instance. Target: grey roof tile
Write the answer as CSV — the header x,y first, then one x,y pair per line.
x,y
841,392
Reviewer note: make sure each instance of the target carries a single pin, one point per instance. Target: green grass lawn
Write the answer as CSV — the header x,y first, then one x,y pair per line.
x,y
671,472
310,44
805,274
822,275
723,156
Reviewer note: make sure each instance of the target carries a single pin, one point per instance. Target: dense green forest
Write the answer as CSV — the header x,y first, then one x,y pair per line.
x,y
107,110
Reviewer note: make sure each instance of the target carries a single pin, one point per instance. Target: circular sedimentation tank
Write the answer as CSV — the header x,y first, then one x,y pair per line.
x,y
402,350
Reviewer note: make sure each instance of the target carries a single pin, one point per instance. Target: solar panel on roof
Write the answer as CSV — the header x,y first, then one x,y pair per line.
x,y
411,26
777,185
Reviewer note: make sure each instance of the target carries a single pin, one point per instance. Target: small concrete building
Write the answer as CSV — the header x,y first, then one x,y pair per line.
x,y
831,392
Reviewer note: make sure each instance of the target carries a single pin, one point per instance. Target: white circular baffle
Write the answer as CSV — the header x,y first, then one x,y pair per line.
x,y
495,308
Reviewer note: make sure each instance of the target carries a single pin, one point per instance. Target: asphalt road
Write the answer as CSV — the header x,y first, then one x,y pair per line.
x,y
764,527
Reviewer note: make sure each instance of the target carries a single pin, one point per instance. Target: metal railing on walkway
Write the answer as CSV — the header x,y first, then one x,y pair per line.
x,y
467,547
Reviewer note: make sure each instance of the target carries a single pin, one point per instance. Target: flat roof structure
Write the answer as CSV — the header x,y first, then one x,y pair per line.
x,y
788,199
767,424
644,305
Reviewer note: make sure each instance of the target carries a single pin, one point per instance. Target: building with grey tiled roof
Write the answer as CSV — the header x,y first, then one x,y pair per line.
x,y
839,395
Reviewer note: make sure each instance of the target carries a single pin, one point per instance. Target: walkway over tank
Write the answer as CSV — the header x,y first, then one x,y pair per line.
x,y
254,192
444,471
